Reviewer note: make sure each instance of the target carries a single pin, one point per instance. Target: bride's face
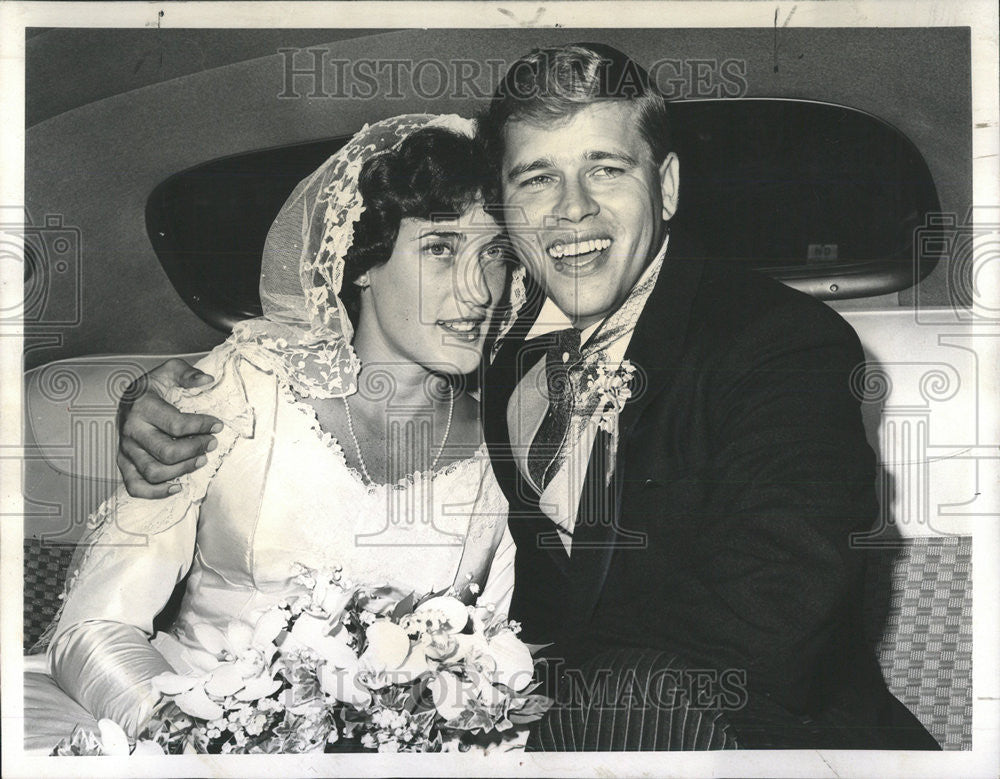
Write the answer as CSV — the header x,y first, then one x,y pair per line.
x,y
431,302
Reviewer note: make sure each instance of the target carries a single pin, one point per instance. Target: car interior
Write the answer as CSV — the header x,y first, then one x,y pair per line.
x,y
830,164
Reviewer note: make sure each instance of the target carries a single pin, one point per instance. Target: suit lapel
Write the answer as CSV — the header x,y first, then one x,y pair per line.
x,y
655,350
529,526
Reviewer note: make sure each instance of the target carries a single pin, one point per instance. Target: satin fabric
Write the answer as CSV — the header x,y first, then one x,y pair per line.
x,y
277,492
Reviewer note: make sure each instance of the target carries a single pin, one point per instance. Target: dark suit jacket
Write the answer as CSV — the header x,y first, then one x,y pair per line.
x,y
742,471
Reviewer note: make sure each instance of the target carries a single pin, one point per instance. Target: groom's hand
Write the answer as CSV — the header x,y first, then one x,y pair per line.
x,y
156,442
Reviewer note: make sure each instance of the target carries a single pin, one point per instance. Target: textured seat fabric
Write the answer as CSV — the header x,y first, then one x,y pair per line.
x,y
918,605
45,567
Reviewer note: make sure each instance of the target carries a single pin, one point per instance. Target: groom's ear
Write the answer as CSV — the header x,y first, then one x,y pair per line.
x,y
669,182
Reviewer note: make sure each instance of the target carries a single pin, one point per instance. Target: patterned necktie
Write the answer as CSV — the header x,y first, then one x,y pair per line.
x,y
562,355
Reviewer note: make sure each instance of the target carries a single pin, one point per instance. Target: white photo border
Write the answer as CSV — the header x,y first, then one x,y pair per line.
x,y
980,16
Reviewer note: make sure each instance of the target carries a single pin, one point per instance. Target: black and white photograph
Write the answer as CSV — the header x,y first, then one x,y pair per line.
x,y
451,388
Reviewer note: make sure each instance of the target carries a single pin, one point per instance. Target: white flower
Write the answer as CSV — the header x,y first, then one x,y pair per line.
x,y
388,646
414,664
316,634
615,390
189,695
484,616
450,612
329,594
350,679
233,662
339,672
514,662
450,694
147,749
268,705
490,695
114,742
113,738
503,659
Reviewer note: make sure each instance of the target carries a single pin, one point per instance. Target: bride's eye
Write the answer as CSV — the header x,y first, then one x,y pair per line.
x,y
494,259
493,253
440,249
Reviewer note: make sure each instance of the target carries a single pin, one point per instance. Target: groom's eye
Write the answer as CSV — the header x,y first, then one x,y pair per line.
x,y
536,181
608,172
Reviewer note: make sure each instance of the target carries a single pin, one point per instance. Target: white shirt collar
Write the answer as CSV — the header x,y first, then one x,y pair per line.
x,y
551,318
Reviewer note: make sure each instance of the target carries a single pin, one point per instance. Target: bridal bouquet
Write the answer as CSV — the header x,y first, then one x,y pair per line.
x,y
340,667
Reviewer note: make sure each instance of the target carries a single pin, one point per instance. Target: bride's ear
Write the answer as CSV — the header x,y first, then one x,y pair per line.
x,y
363,280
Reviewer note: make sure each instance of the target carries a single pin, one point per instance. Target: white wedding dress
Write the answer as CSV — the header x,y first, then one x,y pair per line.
x,y
276,492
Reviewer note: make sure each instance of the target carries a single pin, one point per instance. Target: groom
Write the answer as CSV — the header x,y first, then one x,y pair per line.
x,y
678,442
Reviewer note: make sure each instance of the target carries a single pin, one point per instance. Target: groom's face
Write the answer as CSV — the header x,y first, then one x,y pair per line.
x,y
586,205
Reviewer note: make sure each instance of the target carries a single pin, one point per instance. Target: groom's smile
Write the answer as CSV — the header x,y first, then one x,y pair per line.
x,y
588,205
579,255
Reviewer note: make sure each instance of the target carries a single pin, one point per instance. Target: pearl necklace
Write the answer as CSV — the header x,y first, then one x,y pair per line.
x,y
357,446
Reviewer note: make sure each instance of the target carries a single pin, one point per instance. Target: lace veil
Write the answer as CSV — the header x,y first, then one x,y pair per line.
x,y
303,264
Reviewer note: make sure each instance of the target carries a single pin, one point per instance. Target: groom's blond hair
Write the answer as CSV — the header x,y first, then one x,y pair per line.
x,y
552,84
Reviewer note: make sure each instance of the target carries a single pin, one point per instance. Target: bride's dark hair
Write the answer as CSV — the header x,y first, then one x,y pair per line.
x,y
433,173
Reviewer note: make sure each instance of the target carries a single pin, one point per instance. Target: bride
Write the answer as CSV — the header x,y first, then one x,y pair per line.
x,y
349,437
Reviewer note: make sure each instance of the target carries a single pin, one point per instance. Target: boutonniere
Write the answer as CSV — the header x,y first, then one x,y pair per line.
x,y
614,390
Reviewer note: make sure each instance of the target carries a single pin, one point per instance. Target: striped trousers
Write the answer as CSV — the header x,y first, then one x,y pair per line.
x,y
632,700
